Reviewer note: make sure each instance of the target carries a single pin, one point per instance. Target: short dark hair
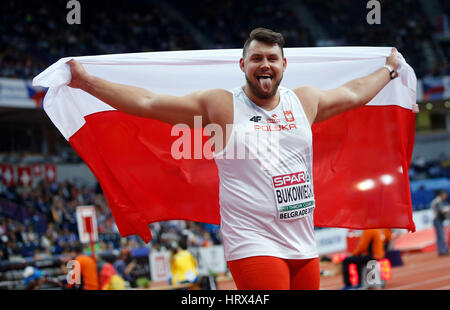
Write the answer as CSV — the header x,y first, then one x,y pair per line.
x,y
78,247
264,35
443,192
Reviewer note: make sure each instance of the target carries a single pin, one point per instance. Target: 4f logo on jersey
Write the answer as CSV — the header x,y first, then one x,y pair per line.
x,y
289,116
256,119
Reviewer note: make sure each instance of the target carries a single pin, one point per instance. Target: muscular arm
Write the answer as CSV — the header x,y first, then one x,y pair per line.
x,y
320,105
141,102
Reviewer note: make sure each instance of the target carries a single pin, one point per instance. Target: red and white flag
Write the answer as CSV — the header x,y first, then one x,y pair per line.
x,y
361,158
8,178
36,170
50,173
24,176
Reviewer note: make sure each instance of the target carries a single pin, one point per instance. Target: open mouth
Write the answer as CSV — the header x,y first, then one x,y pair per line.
x,y
263,76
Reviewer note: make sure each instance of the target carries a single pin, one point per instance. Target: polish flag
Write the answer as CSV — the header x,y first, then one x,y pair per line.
x,y
361,158
7,175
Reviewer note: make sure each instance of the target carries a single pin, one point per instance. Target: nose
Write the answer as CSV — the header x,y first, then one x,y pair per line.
x,y
265,65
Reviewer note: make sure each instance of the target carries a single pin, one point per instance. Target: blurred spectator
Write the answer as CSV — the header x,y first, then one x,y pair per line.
x,y
183,265
441,210
207,241
109,279
372,246
33,278
125,265
88,268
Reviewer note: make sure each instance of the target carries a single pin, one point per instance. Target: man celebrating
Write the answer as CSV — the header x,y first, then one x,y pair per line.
x,y
266,210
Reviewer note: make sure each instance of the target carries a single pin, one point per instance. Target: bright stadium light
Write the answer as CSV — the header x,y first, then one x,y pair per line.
x,y
365,185
386,179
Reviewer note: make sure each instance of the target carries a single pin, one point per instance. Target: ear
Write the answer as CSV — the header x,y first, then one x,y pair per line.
x,y
241,64
284,63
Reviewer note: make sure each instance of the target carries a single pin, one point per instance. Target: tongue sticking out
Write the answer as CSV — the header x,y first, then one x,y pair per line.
x,y
266,84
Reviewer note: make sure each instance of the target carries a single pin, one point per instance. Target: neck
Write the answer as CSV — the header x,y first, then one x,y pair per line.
x,y
264,103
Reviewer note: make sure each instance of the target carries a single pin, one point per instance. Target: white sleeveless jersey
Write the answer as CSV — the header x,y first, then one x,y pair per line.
x,y
266,187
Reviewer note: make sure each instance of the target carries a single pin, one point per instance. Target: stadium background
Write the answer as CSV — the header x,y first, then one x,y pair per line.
x,y
43,179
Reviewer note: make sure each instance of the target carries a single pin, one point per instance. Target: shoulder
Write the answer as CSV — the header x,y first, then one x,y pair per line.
x,y
309,99
214,95
436,200
218,103
81,258
307,93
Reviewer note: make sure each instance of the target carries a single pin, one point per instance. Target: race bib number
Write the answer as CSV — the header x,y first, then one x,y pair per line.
x,y
294,195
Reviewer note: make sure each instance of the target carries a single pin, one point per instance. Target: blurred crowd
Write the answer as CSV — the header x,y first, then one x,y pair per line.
x,y
138,26
227,23
41,221
403,24
107,28
422,168
434,176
